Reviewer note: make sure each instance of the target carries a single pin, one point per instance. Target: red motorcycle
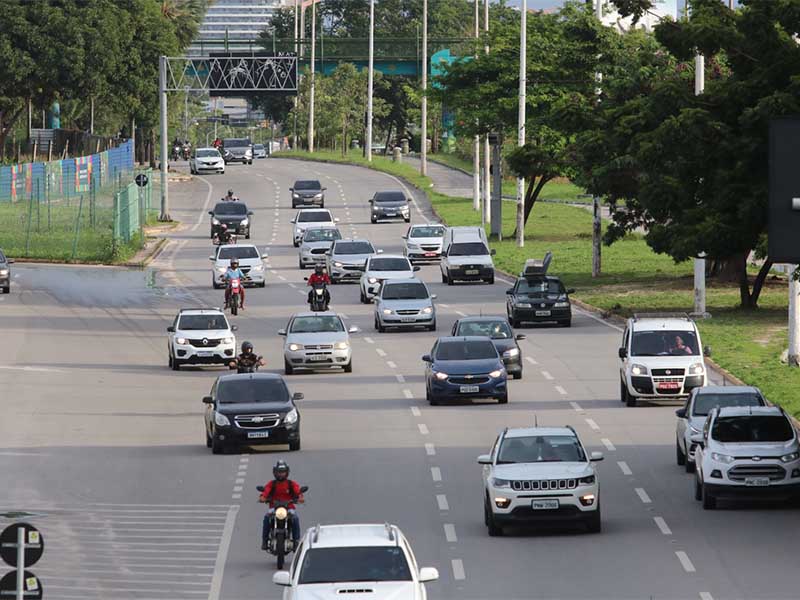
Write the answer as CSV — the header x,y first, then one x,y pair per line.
x,y
234,295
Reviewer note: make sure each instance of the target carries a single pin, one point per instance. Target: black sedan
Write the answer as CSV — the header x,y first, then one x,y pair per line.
x,y
390,205
234,214
499,331
464,368
539,299
308,192
5,273
249,409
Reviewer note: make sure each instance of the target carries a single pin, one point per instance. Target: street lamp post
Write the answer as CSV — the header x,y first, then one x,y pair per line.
x,y
700,261
523,49
423,167
311,92
370,80
297,54
476,149
487,178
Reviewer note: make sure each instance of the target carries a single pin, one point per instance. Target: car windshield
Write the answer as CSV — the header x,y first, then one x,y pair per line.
x,y
202,322
258,146
236,142
237,252
230,208
664,343
460,350
497,330
539,287
389,264
314,216
245,391
703,403
752,428
389,197
354,248
540,448
404,291
354,563
427,232
309,184
468,249
321,235
207,154
316,324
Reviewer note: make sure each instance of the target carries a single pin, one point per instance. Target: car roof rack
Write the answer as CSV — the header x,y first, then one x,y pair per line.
x,y
314,535
661,315
535,267
390,532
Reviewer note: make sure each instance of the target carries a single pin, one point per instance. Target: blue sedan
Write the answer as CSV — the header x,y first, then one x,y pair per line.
x,y
464,367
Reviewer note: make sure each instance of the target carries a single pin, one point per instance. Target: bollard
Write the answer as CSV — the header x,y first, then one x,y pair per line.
x,y
404,145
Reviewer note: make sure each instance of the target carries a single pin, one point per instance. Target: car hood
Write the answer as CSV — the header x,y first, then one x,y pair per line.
x,y
389,274
312,245
379,590
390,205
326,337
481,259
199,334
434,241
209,159
755,448
555,470
243,262
253,408
351,259
405,304
306,193
464,367
666,362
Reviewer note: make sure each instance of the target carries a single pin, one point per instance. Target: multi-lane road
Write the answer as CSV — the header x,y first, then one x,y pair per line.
x,y
105,443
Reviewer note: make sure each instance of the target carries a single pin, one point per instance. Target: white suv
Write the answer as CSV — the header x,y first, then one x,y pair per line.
x,y
372,561
747,452
660,358
540,474
200,336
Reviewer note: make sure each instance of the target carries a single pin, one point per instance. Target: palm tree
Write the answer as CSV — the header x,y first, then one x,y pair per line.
x,y
186,17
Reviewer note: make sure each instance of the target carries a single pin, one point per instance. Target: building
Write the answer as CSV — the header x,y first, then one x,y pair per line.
x,y
234,20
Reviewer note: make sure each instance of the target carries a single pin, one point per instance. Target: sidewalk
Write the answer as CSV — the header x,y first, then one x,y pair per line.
x,y
446,180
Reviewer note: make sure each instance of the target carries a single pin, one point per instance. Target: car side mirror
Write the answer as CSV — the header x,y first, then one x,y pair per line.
x,y
596,456
426,358
260,488
234,328
571,290
212,257
434,296
416,268
323,189
171,329
510,291
298,396
211,212
208,400
353,329
492,251
291,189
249,213
282,578
707,351
519,337
304,489
379,251
428,574
408,200
10,261
336,219
681,413
485,459
292,221
405,237
265,256
305,278
622,352
281,332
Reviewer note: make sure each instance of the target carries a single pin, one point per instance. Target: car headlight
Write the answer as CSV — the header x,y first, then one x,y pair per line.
x,y
291,417
696,369
695,430
258,268
226,340
790,457
638,370
524,304
427,310
496,374
181,341
318,197
244,222
511,352
338,265
372,280
221,419
221,269
414,246
500,483
342,345
248,153
215,221
3,272
588,480
387,311
561,305
441,376
295,347
722,458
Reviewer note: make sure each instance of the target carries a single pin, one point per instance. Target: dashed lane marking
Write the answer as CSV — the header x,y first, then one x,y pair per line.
x,y
685,562
436,473
400,378
576,406
380,352
607,443
561,390
390,364
369,340
458,569
423,429
643,496
408,394
415,411
450,533
706,596
623,466
291,285
547,375
443,305
662,525
531,360
592,424
461,314
441,500
430,449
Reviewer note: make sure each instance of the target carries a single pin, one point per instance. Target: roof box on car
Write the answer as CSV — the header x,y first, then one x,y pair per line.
x,y
535,267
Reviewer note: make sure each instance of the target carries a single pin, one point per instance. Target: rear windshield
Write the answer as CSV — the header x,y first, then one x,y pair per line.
x,y
752,428
390,197
459,350
703,403
207,153
389,264
202,322
354,563
540,448
243,391
321,235
314,216
236,142
497,330
664,343
237,252
230,208
404,291
309,184
354,248
468,249
427,232
539,286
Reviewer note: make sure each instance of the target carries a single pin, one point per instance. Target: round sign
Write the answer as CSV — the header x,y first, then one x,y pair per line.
x,y
31,588
141,180
34,544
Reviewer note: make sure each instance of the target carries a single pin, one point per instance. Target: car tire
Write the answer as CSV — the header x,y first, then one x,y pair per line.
x,y
247,237
288,369
689,465
169,359
709,501
630,400
623,392
364,299
515,322
408,220
300,264
594,524
215,285
294,205
502,399
348,368
490,281
373,220
698,489
7,290
294,446
322,204
432,326
517,375
430,397
444,278
208,440
381,328
262,284
680,457
176,364
567,323
449,279
295,244
493,528
216,446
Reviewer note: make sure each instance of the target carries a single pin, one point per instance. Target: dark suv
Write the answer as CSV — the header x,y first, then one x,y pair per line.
x,y
539,298
307,192
5,273
233,214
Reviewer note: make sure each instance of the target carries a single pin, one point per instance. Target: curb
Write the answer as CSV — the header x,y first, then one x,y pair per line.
x,y
149,257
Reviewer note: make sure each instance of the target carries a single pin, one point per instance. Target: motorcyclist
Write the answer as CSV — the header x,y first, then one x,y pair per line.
x,y
224,235
247,359
281,489
229,197
234,272
320,275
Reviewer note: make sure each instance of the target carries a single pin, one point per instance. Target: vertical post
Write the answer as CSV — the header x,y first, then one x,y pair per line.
x,y
30,117
476,148
91,115
133,138
700,261
21,563
496,202
423,166
311,93
369,80
487,177
596,223
794,317
297,54
523,82
162,92
77,228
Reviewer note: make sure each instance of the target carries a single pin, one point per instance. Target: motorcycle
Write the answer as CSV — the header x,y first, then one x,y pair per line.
x,y
240,368
222,239
235,289
187,152
279,538
176,152
319,297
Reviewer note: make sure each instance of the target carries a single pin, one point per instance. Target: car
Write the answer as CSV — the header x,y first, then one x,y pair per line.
x,y
251,408
307,192
499,331
347,258
259,151
315,243
368,560
378,268
423,242
310,217
233,214
540,475
464,368
747,452
539,299
405,303
660,357
5,272
466,256
206,160
251,263
200,336
692,417
390,205
317,341
237,150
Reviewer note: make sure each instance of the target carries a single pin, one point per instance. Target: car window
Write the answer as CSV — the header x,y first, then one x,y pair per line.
x,y
497,330
354,563
321,235
229,252
258,146
460,350
404,291
309,184
353,248
664,343
752,428
389,197
314,216
230,208
207,154
703,403
426,232
316,324
245,391
202,322
539,286
2,256
236,142
468,249
541,448
389,264
297,554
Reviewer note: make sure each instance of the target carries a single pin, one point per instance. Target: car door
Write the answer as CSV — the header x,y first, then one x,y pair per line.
x,y
429,365
683,423
210,408
454,331
624,359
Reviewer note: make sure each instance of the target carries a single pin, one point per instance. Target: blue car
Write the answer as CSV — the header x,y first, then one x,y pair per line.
x,y
465,367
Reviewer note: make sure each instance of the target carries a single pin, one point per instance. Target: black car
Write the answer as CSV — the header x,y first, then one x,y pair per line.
x,y
234,214
5,273
462,368
499,331
237,150
539,299
307,192
390,205
251,408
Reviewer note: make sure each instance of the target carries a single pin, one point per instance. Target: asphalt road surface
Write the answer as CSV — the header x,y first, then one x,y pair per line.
x,y
105,444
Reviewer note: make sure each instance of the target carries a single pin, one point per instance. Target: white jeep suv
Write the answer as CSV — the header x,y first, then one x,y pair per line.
x,y
540,474
747,452
369,561
200,336
661,358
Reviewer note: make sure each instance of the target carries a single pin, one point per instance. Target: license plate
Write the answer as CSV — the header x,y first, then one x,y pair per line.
x,y
469,389
756,481
471,272
408,319
257,434
205,354
388,214
668,386
544,504
317,358
430,254
542,313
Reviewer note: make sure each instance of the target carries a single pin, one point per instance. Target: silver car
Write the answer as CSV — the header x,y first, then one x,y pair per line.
x,y
405,303
317,341
423,242
316,242
346,259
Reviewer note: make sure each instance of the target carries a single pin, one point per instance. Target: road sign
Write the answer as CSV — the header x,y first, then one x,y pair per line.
x,y
141,180
31,586
34,544
784,190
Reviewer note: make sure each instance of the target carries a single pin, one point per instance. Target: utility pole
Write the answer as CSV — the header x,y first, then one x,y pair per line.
x,y
311,93
423,167
596,216
523,79
476,150
794,317
487,159
369,79
162,92
700,261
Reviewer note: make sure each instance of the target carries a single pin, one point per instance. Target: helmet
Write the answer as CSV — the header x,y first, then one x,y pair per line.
x,y
280,471
319,270
247,347
234,263
230,192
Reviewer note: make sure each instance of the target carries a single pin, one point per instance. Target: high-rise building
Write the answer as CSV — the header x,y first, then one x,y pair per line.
x,y
236,21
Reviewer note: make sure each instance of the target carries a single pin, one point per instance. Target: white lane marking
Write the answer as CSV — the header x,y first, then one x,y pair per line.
x,y
450,533
390,364
423,429
561,390
461,314
400,378
458,569
222,554
291,285
576,406
201,216
380,352
407,393
239,480
623,466
531,360
662,525
607,443
436,473
706,596
281,277
236,496
441,500
685,562
31,369
643,495
592,424
369,340
244,459
301,292
430,449
415,411
443,305
237,488
547,375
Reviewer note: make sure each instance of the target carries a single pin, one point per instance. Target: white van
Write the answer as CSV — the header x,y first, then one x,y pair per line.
x,y
466,256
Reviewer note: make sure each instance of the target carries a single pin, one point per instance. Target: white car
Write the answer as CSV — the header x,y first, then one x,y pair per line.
x,y
206,160
540,474
317,341
370,561
310,217
251,263
423,242
200,336
317,241
347,258
747,452
259,151
385,266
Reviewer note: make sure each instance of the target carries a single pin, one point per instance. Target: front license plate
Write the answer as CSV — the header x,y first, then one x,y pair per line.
x,y
544,504
471,272
205,354
542,313
756,481
408,319
469,389
430,254
257,434
668,387
390,215
317,358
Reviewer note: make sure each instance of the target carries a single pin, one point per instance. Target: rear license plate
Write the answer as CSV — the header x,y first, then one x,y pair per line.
x,y
257,434
408,319
668,387
471,272
469,389
542,313
205,354
756,481
544,504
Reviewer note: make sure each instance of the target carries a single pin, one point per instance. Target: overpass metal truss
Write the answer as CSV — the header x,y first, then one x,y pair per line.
x,y
220,75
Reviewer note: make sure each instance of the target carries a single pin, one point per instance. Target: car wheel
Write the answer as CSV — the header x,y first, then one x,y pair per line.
x,y
169,359
490,281
294,205
680,457
364,299
208,440
698,489
215,285
432,326
623,392
348,368
408,220
373,220
567,323
287,368
630,399
515,322
294,446
689,465
322,204
381,326
449,279
494,529
517,375
444,279
7,290
709,501
216,446
300,264
295,243
595,523
430,397
262,284
502,399
176,364
247,237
